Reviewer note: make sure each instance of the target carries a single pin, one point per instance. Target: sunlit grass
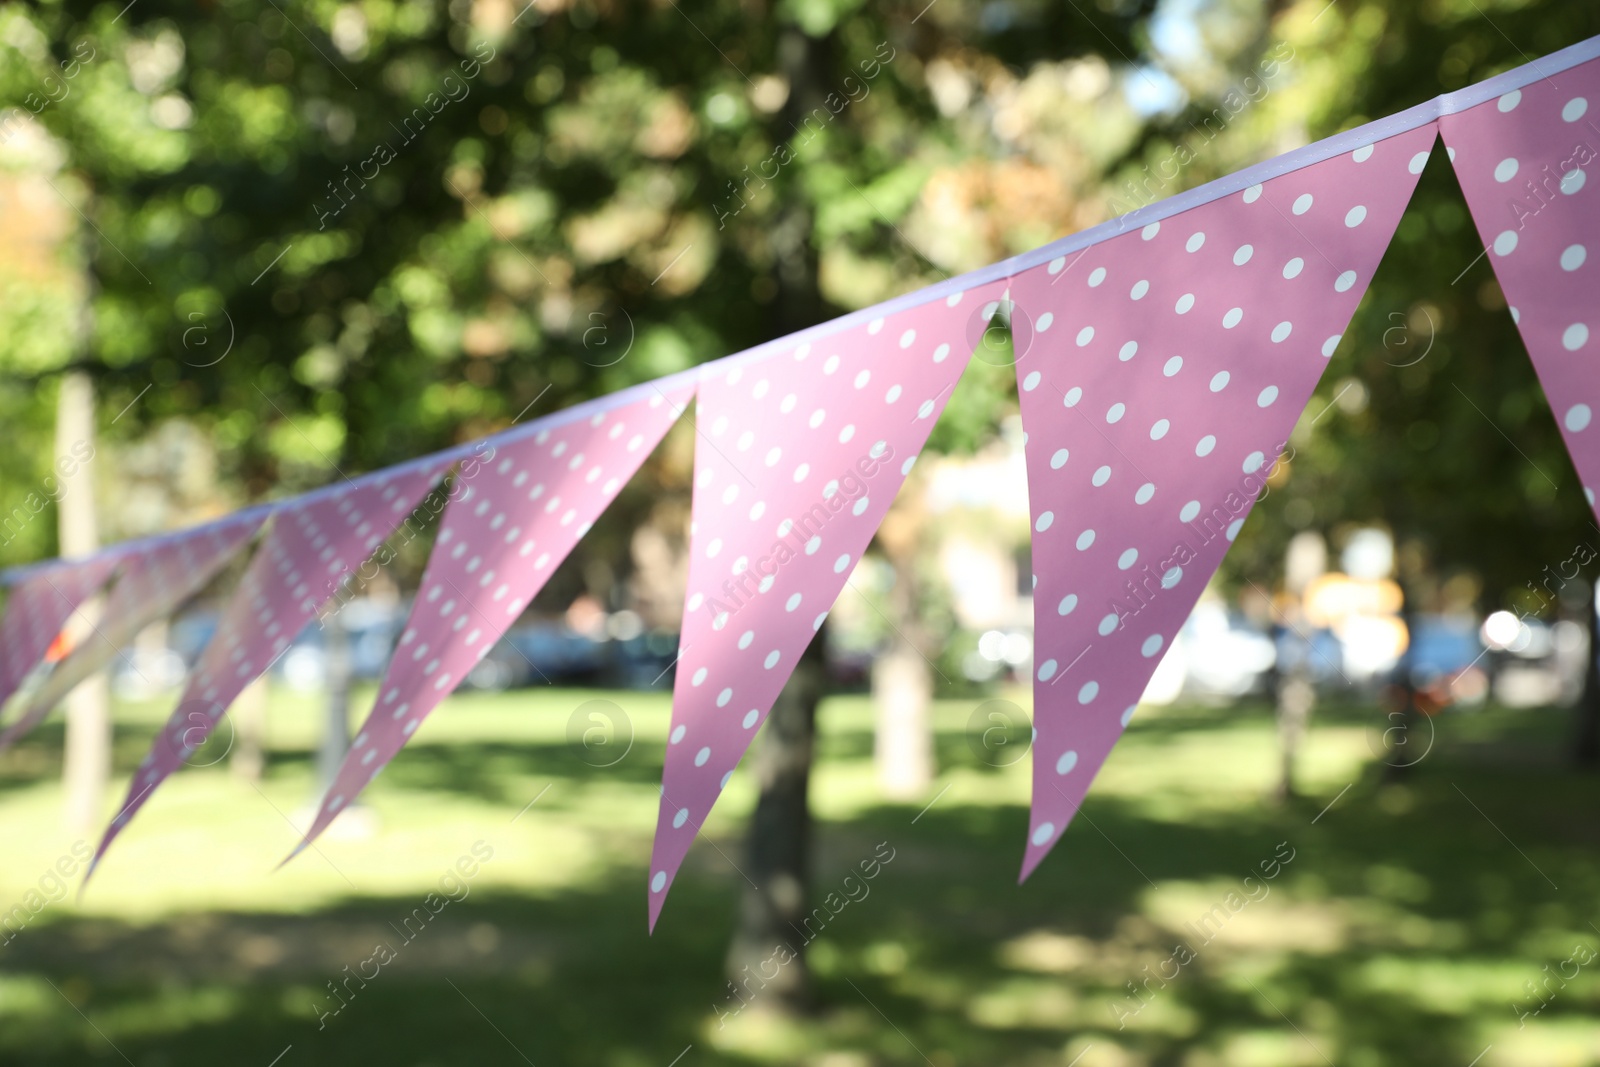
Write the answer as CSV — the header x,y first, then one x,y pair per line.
x,y
1403,930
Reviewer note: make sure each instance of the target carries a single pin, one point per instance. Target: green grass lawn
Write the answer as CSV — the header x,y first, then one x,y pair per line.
x,y
1409,922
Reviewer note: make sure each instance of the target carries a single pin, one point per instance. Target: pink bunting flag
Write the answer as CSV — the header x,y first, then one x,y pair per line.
x,y
1165,371
38,610
1523,161
514,516
799,456
310,551
152,581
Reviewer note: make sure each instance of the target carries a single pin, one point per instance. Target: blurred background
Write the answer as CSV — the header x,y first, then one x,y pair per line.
x,y
246,249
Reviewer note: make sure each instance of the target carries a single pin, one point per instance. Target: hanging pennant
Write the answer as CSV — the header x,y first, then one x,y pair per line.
x,y
38,611
798,458
149,585
310,552
1166,368
1524,163
510,524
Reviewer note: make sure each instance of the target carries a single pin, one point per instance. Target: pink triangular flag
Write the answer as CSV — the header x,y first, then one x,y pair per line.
x,y
38,608
510,524
1166,369
311,549
1522,162
152,581
798,458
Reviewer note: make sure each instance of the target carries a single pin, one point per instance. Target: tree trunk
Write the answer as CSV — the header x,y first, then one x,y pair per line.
x,y
249,718
87,764
1586,738
902,688
766,962
1296,698
777,847
336,713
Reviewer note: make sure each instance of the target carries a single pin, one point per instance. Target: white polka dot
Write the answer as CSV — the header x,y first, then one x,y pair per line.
x,y
702,756
1190,510
1159,430
1302,204
1510,100
1140,288
841,563
1115,412
907,338
745,639
1362,154
1418,161
1127,713
1233,528
1031,382
723,697
1573,180
893,394
1233,318
1058,460
1097,276
1506,243
1085,539
1574,109
1068,602
772,659
1172,577
1085,335
1089,691
677,733
1044,521
1281,331
1044,833
1292,269
1146,491
679,819
1242,255
1267,396
1219,381
1045,322
1151,646
1575,337
658,882
1150,230
1253,461
1505,170
1047,670
1331,344
1128,558
1185,302
1102,475
1343,282
699,677
801,471
1573,257
1128,351
1195,240
940,353
1072,396
1068,760
1355,216
1578,416
1252,194
1108,624
750,718
1207,443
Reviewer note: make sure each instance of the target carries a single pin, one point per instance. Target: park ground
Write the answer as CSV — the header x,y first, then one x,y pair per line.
x,y
1411,924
